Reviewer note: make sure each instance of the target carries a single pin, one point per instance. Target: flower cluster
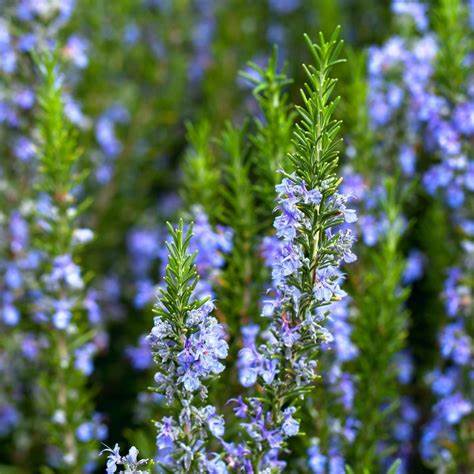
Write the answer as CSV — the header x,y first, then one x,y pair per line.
x,y
404,92
188,345
148,258
129,462
265,439
408,96
340,384
109,143
186,364
25,27
297,313
450,381
310,247
63,307
210,247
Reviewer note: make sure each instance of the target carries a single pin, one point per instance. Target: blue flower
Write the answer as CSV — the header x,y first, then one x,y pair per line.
x,y
62,314
83,358
64,271
443,384
414,9
141,356
76,49
463,118
129,462
214,421
284,6
456,344
414,267
317,461
453,408
9,418
407,159
290,426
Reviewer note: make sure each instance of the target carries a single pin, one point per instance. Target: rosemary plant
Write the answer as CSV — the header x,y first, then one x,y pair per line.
x,y
64,398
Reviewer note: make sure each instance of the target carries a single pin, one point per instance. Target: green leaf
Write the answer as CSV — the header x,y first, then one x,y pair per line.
x,y
394,468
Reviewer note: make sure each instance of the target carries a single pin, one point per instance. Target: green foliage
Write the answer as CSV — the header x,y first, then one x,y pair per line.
x,y
59,173
356,115
201,175
314,161
455,42
241,278
316,151
150,79
329,15
316,141
63,401
380,327
432,234
59,152
180,280
272,138
395,467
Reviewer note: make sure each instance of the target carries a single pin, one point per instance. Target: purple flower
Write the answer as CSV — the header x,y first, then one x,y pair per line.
x,y
19,233
249,364
145,293
453,408
417,11
407,160
129,462
200,356
9,418
284,6
454,196
371,230
414,267
210,245
83,358
141,356
327,284
13,277
215,422
443,384
317,461
448,139
456,344
380,112
241,408
30,347
24,149
105,130
92,430
75,50
464,118
437,176
62,314
453,291
92,307
353,186
65,271
290,426
346,387
404,363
